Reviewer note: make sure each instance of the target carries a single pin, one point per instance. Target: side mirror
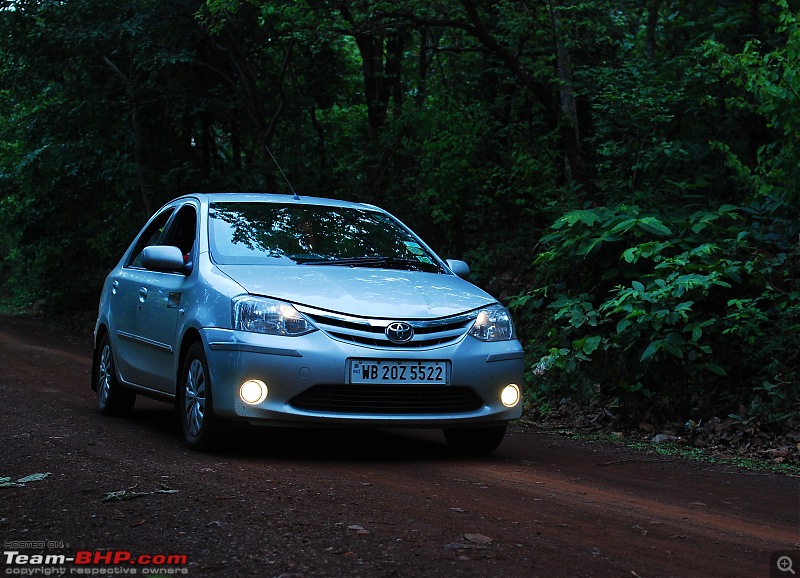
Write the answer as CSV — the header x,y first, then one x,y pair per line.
x,y
459,268
163,258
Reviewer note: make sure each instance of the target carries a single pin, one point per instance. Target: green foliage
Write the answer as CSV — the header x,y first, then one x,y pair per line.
x,y
770,80
667,305
629,170
677,287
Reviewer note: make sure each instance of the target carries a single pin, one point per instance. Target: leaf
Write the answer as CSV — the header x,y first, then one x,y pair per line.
x,y
716,369
638,286
675,338
654,226
123,495
519,301
591,344
624,226
33,478
673,349
588,218
588,247
651,349
560,303
630,255
478,538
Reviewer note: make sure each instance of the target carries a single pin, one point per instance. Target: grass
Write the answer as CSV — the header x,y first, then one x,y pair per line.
x,y
685,452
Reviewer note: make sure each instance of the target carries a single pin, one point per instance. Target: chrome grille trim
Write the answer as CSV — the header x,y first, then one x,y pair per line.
x,y
371,332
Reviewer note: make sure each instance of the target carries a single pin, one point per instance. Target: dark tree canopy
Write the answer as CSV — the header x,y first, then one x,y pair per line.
x,y
625,173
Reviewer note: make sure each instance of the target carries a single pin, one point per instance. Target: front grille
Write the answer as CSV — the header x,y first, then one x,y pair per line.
x,y
371,332
388,399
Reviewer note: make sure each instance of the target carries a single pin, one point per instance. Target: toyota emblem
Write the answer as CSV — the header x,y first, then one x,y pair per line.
x,y
399,332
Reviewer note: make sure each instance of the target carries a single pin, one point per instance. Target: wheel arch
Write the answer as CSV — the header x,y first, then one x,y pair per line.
x,y
191,336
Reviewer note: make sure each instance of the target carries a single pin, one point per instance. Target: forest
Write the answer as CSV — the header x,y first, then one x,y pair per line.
x,y
623,174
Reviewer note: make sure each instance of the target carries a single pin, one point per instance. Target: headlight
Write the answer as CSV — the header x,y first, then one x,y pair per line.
x,y
493,324
259,315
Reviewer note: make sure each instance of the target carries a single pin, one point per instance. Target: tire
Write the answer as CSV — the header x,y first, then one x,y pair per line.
x,y
112,398
195,404
475,440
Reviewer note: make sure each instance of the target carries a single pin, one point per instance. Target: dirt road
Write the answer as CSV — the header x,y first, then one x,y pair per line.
x,y
351,503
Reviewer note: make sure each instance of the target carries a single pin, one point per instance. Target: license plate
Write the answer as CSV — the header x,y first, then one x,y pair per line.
x,y
382,371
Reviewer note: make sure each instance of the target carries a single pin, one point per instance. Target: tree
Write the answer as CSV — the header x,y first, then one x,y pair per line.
x,y
625,168
692,257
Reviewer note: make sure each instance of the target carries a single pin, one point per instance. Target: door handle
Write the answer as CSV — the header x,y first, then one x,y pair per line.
x,y
142,294
114,287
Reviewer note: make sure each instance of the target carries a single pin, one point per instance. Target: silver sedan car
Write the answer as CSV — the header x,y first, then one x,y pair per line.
x,y
280,310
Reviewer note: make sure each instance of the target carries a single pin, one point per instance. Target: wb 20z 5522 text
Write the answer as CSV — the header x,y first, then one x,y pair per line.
x,y
375,371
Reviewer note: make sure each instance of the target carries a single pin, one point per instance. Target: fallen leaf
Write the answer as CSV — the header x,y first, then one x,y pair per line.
x,y
478,538
130,494
33,478
661,438
123,495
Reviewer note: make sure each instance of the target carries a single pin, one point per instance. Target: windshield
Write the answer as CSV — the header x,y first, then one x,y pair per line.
x,y
253,233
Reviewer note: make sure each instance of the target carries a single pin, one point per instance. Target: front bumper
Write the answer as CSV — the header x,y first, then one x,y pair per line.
x,y
291,366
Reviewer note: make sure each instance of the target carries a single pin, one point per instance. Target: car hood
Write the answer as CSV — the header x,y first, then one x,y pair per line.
x,y
363,292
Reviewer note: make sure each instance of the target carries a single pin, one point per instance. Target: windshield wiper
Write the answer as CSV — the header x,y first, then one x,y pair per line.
x,y
388,262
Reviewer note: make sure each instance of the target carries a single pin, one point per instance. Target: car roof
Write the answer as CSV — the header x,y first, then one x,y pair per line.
x,y
256,197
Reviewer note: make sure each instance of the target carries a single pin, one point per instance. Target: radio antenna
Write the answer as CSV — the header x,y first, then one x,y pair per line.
x,y
285,178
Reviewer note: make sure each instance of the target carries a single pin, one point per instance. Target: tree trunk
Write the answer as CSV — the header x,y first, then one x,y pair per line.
x,y
395,46
569,126
138,141
652,24
574,166
424,64
370,46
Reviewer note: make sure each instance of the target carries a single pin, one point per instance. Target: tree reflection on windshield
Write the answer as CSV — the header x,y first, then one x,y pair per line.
x,y
254,233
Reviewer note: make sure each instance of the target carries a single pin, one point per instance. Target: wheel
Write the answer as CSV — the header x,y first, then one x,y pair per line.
x,y
112,398
195,405
475,440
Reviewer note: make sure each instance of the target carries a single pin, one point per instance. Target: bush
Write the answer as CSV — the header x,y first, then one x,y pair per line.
x,y
696,311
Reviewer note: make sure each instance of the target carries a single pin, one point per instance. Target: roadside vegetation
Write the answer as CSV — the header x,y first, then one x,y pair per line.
x,y
625,175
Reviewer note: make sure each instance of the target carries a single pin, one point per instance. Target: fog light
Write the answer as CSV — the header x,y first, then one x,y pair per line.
x,y
253,391
510,395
